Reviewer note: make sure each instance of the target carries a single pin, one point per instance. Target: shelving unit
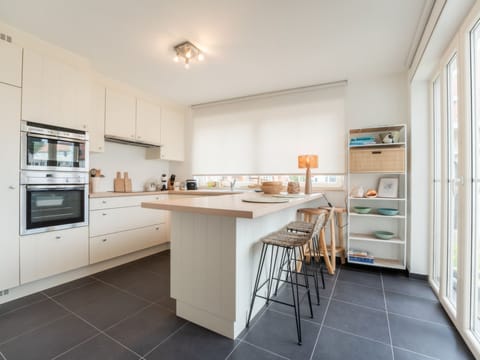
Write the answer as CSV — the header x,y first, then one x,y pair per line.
x,y
367,164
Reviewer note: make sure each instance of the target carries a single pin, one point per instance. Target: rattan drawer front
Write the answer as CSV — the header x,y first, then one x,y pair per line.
x,y
377,160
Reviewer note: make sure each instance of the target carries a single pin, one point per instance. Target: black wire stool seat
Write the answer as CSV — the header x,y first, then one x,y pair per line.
x,y
292,262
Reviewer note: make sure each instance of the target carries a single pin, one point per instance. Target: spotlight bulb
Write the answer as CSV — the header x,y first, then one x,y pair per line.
x,y
175,58
201,57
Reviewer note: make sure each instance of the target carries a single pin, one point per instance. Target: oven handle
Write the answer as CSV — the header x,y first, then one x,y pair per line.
x,y
56,187
40,136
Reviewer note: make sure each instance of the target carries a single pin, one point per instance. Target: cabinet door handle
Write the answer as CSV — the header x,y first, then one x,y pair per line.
x,y
11,187
104,202
104,240
104,214
157,228
376,152
58,237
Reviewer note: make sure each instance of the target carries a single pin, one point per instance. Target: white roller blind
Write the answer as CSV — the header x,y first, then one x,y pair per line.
x,y
264,135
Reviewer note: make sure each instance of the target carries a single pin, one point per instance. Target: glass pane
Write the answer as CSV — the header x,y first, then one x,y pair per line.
x,y
437,205
453,177
475,56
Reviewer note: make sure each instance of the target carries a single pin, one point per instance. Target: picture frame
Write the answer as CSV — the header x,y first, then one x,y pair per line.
x,y
388,188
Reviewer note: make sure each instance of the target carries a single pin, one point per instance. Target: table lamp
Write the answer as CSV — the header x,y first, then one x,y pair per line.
x,y
308,162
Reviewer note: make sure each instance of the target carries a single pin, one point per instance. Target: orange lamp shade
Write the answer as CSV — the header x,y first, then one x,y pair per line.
x,y
307,161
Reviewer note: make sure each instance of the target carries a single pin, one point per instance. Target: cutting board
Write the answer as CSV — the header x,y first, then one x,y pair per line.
x,y
118,183
128,182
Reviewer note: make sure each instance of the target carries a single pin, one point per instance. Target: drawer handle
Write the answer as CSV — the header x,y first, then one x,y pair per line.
x,y
376,152
157,228
104,240
104,202
104,214
58,237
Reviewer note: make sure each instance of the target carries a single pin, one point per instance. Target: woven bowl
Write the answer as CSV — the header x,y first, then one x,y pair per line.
x,y
272,187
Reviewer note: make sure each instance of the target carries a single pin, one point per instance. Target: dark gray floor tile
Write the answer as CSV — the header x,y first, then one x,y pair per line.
x,y
156,264
48,341
360,277
145,284
277,332
22,302
285,294
439,341
335,345
419,308
168,303
25,319
101,304
193,342
145,330
100,347
358,320
408,355
402,284
247,351
69,286
360,295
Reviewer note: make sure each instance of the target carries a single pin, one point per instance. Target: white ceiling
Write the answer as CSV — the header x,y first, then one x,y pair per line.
x,y
251,46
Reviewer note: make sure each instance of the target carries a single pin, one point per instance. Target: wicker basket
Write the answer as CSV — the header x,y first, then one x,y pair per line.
x,y
385,160
272,187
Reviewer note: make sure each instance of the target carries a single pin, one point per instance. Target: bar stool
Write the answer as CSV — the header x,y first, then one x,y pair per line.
x,y
328,254
290,244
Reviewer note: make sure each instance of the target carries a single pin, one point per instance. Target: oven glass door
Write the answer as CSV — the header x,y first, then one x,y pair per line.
x,y
44,152
52,207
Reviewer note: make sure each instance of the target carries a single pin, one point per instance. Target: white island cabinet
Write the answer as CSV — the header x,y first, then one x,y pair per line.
x,y
215,247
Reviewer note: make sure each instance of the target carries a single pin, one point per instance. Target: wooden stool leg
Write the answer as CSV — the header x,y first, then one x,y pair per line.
x,y
333,249
340,236
323,246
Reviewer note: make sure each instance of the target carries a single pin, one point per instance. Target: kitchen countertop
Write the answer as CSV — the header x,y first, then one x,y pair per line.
x,y
168,192
228,205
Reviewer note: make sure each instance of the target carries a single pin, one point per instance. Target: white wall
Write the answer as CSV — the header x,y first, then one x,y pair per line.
x,y
120,157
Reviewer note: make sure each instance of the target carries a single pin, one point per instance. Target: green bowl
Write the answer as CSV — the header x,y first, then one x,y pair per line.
x,y
384,235
387,211
362,209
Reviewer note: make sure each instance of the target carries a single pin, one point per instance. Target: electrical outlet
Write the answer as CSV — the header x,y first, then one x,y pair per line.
x,y
5,37
4,292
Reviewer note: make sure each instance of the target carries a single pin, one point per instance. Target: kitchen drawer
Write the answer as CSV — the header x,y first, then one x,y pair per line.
x,y
51,253
118,244
385,160
122,201
121,219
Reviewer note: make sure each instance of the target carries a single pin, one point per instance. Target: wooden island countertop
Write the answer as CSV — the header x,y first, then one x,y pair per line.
x,y
229,205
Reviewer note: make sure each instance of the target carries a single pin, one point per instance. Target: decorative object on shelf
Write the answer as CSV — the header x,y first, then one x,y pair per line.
x,y
387,211
390,137
357,192
384,235
171,182
363,140
188,52
388,187
362,209
293,187
308,162
272,187
371,193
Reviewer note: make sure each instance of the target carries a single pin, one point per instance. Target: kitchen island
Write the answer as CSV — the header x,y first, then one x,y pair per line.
x,y
215,248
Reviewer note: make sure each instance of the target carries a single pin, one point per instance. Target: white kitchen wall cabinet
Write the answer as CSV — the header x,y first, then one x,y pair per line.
x,y
119,225
96,122
9,192
120,114
172,136
51,253
11,64
370,161
148,122
55,92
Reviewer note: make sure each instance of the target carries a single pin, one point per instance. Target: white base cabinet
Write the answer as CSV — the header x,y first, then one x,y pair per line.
x,y
51,253
119,225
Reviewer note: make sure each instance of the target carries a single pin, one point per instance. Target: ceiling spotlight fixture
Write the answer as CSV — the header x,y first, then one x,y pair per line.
x,y
188,52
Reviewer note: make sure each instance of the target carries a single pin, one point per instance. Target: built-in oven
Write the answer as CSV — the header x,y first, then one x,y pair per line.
x,y
52,201
46,148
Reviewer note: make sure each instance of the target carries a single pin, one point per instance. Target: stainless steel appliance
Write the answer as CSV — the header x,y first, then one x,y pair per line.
x,y
192,184
46,148
52,201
